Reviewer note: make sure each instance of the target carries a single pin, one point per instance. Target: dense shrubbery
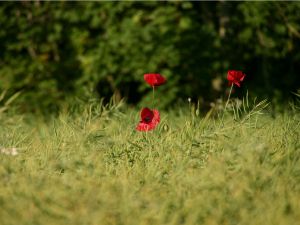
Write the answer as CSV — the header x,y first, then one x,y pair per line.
x,y
52,52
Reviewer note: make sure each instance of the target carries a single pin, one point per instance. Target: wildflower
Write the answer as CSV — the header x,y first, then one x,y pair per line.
x,y
149,119
235,77
154,79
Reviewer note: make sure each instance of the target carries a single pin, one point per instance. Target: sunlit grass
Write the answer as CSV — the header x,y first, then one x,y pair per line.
x,y
91,167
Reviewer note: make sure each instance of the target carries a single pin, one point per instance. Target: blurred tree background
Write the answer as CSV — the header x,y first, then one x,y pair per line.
x,y
55,51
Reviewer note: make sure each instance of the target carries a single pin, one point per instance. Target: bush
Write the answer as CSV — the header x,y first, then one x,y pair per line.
x,y
53,52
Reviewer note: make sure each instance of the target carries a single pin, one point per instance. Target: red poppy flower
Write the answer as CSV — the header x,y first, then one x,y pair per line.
x,y
154,79
235,77
149,119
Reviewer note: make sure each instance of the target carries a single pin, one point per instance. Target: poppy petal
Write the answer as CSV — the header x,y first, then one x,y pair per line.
x,y
154,79
150,121
235,77
237,84
146,114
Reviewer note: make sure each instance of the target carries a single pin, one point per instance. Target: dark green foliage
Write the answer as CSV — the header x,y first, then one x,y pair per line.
x,y
53,52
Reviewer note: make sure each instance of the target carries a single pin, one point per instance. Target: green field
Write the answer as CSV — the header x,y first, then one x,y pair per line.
x,y
90,166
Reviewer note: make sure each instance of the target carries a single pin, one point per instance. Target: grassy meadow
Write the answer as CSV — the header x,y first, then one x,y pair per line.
x,y
90,166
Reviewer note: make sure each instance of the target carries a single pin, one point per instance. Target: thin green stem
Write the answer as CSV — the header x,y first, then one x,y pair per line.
x,y
227,103
228,98
153,99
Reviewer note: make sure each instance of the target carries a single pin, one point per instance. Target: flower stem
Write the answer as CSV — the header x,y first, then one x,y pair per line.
x,y
228,97
153,97
227,103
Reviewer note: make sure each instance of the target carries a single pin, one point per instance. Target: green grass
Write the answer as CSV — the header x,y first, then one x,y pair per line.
x,y
92,167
